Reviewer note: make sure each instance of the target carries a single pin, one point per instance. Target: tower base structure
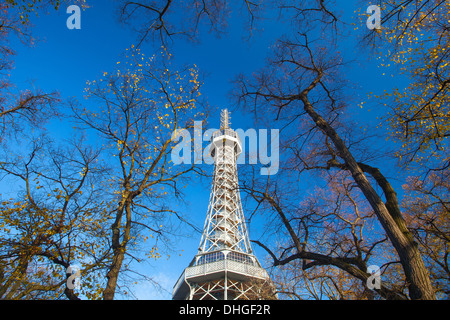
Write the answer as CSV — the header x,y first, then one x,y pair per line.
x,y
224,275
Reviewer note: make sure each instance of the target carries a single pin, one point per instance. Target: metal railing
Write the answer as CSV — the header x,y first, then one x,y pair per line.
x,y
228,132
221,265
226,265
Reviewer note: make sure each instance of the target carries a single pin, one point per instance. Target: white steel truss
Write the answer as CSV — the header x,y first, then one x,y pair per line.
x,y
225,226
227,289
224,266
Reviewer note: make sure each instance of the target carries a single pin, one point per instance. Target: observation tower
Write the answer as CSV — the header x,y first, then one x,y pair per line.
x,y
224,267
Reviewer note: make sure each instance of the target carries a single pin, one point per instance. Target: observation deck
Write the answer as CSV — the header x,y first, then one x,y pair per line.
x,y
218,264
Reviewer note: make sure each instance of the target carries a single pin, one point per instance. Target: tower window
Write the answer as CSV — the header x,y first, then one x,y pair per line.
x,y
211,257
239,257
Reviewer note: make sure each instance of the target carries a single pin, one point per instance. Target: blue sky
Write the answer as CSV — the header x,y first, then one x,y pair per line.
x,y
65,59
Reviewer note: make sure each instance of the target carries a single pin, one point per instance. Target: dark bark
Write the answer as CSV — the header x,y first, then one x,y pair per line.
x,y
411,260
355,266
391,203
119,248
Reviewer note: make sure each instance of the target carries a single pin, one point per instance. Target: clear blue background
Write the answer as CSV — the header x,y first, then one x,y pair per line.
x,y
65,59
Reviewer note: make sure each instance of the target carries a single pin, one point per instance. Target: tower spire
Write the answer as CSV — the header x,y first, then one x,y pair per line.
x,y
224,119
224,266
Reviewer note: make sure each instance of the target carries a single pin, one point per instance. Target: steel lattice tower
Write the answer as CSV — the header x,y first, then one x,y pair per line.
x,y
224,266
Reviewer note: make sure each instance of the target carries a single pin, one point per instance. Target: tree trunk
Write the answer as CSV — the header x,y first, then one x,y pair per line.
x,y
118,247
113,275
416,274
354,267
70,294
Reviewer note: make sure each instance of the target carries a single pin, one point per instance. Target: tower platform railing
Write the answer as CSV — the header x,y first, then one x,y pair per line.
x,y
230,266
228,132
